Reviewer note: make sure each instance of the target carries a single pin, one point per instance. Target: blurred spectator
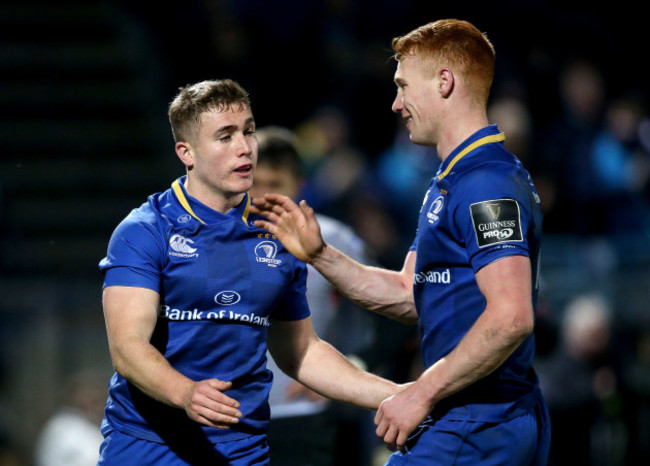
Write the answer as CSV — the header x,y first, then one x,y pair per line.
x,y
382,234
71,437
566,153
511,113
335,167
404,170
620,165
582,387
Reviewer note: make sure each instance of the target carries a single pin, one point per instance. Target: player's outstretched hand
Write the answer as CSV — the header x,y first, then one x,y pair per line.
x,y
295,226
208,405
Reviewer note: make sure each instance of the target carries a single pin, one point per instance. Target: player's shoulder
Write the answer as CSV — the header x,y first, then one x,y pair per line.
x,y
496,168
490,181
145,214
145,218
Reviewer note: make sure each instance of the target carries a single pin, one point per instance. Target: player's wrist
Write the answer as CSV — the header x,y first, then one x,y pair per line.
x,y
320,253
181,393
427,391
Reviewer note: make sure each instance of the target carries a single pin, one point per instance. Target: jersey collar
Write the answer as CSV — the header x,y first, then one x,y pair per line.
x,y
187,201
483,136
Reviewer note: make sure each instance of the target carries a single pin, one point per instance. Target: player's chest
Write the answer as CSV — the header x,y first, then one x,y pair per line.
x,y
439,237
226,253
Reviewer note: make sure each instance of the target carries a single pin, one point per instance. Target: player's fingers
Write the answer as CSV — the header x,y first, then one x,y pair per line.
x,y
220,422
379,416
217,408
281,209
402,437
273,212
306,207
266,203
308,212
220,385
258,201
220,413
265,211
266,225
216,394
255,209
282,199
224,405
382,429
273,199
390,438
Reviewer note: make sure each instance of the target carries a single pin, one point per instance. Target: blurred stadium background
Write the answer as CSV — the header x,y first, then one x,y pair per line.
x,y
84,87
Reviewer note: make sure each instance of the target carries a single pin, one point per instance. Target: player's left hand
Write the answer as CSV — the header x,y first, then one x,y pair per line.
x,y
294,225
401,414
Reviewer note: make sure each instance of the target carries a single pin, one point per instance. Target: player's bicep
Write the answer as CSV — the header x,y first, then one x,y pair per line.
x,y
288,342
409,314
408,269
506,285
129,312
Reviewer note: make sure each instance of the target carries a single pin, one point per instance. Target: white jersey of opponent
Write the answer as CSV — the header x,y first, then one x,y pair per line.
x,y
324,303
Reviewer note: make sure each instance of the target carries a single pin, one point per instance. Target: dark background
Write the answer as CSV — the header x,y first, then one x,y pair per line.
x,y
84,89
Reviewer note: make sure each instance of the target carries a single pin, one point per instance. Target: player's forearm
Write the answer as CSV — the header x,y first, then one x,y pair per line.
x,y
143,365
481,351
379,290
328,372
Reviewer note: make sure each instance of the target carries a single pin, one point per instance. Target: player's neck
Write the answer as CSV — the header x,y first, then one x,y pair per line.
x,y
458,131
221,202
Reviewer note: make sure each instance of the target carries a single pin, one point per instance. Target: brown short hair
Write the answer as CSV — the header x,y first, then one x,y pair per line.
x,y
454,43
194,99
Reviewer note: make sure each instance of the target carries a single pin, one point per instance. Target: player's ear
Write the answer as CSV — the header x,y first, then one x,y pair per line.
x,y
445,82
184,152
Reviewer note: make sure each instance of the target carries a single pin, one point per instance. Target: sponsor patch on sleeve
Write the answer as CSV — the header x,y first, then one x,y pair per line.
x,y
496,221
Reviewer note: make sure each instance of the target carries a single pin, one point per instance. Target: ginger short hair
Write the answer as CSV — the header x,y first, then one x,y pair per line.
x,y
455,44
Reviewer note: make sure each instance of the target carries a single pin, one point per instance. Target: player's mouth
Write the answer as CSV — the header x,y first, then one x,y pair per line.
x,y
246,169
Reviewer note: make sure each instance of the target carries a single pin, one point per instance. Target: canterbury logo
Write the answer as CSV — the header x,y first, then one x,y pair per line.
x,y
181,244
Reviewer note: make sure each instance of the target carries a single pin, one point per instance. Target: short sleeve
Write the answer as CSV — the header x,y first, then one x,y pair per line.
x,y
134,255
293,304
490,217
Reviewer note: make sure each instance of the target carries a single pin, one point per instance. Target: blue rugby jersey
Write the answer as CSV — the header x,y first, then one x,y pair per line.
x,y
480,207
221,280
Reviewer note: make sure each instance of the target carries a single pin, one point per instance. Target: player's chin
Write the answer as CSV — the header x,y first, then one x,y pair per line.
x,y
242,184
420,140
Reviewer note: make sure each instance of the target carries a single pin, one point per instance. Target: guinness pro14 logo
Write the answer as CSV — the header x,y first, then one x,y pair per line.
x,y
496,221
